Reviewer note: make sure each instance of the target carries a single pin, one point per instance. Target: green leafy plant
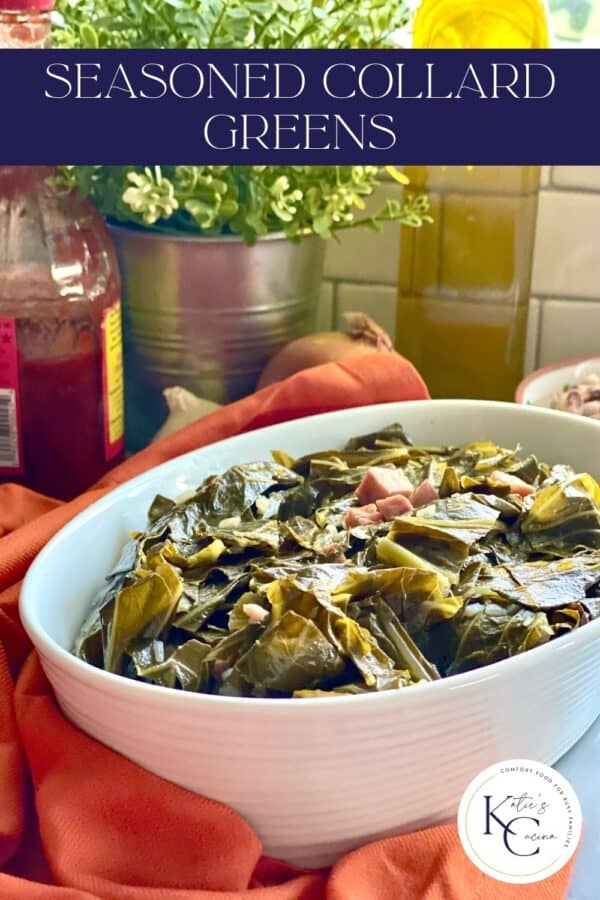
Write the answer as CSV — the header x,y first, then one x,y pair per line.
x,y
270,24
247,200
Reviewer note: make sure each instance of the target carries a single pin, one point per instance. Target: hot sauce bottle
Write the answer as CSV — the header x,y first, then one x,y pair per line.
x,y
25,24
61,376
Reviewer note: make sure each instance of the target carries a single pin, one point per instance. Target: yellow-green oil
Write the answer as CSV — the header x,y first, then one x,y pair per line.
x,y
465,280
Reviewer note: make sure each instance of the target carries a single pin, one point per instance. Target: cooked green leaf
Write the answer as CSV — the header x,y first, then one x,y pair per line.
x,y
564,515
377,617
542,584
204,558
291,655
256,585
493,629
141,612
233,493
185,667
418,597
392,436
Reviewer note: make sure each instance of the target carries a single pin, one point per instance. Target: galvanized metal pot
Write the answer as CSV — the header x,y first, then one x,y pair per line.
x,y
207,314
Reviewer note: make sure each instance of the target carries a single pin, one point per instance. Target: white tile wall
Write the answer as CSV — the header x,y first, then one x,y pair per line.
x,y
582,177
533,335
568,329
564,320
326,313
567,253
362,255
377,301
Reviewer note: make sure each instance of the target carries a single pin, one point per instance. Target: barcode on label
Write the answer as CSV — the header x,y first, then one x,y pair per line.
x,y
9,436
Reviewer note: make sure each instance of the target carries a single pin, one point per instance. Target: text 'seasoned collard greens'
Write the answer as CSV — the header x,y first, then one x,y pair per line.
x,y
277,89
284,81
376,567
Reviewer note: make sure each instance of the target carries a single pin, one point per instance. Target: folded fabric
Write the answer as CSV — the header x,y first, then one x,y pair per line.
x,y
80,822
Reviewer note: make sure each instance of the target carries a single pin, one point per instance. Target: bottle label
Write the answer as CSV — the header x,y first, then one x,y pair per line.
x,y
11,448
112,380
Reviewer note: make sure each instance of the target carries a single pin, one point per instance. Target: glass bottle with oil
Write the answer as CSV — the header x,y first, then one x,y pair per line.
x,y
481,24
465,280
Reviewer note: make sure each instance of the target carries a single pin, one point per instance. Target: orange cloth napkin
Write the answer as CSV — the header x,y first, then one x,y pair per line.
x,y
80,822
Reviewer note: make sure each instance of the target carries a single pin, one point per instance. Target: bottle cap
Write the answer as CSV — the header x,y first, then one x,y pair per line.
x,y
26,5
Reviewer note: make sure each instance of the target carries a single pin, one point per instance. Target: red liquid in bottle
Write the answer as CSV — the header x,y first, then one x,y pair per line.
x,y
61,415
55,397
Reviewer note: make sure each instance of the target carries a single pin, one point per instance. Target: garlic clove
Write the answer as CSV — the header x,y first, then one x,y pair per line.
x,y
184,408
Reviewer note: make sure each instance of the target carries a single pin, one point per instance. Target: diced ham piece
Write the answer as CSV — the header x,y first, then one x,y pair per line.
x,y
256,614
424,494
517,485
379,483
397,505
332,553
363,515
220,667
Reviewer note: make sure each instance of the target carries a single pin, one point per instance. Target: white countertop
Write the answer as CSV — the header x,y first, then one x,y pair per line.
x,y
581,766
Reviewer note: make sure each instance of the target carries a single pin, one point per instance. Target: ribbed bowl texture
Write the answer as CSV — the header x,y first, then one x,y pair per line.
x,y
317,778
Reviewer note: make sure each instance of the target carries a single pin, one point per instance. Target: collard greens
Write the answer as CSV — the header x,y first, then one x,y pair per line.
x,y
272,581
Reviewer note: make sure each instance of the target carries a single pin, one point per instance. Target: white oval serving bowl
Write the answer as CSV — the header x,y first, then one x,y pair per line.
x,y
317,778
538,388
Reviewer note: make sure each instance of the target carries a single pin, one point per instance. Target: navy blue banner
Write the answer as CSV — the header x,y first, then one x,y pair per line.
x,y
299,107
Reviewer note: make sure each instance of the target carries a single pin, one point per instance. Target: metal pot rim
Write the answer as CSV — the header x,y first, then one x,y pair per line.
x,y
182,237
